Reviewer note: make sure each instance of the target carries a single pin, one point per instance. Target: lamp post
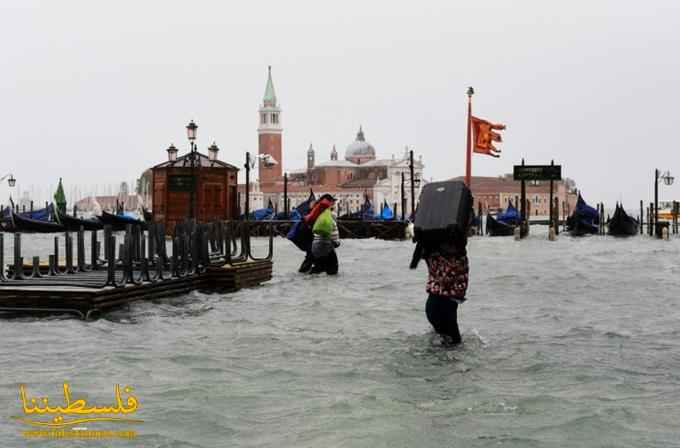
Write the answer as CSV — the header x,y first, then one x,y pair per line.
x,y
11,181
268,161
667,180
191,135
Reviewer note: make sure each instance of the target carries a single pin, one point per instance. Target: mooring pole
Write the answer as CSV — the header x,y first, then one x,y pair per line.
x,y
550,204
652,222
403,198
656,202
413,191
642,216
556,213
285,195
523,208
479,214
247,166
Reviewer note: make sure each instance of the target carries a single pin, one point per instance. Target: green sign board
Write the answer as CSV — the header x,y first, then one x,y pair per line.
x,y
537,172
180,183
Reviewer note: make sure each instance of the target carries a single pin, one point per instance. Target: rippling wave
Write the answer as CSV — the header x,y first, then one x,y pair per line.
x,y
569,343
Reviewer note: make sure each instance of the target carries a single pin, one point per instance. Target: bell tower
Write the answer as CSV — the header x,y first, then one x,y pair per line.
x,y
269,134
310,157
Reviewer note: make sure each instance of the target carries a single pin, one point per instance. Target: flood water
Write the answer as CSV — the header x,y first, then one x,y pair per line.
x,y
568,343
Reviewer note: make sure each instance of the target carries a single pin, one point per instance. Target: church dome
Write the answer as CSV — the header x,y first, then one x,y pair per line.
x,y
360,150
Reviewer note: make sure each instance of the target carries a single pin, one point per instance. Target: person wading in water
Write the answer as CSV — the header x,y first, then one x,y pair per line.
x,y
442,222
326,240
447,282
305,237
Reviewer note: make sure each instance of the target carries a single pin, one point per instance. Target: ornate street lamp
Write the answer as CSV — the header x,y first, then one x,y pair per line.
x,y
268,162
191,130
11,181
172,153
667,180
212,151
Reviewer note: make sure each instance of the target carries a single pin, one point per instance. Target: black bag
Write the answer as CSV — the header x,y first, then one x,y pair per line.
x,y
444,215
301,235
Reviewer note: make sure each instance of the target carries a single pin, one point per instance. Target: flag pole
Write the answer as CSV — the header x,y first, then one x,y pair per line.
x,y
468,149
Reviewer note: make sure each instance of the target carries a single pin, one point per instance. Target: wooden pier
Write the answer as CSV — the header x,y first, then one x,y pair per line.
x,y
211,258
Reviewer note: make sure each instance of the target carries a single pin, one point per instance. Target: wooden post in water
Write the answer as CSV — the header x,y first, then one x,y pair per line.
x,y
285,196
480,230
551,223
523,214
413,191
403,198
642,216
557,216
652,222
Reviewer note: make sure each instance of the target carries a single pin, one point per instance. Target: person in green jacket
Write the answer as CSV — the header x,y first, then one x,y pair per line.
x,y
326,240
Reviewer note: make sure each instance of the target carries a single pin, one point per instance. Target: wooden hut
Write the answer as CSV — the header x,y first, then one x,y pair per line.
x,y
175,198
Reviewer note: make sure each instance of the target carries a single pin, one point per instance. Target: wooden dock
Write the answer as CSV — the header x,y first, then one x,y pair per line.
x,y
209,258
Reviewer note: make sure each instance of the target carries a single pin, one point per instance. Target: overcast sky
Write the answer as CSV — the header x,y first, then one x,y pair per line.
x,y
95,91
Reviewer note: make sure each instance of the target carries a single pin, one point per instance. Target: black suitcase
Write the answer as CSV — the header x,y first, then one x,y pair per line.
x,y
444,213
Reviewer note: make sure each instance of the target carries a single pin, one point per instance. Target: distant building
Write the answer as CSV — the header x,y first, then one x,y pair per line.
x,y
494,193
359,175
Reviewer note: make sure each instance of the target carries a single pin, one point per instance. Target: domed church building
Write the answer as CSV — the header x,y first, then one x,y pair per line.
x,y
360,151
358,176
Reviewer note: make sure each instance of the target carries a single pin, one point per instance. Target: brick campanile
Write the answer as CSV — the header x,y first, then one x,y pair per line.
x,y
269,134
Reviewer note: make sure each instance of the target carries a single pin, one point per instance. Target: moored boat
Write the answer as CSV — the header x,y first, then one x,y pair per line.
x,y
621,224
584,221
495,227
74,224
19,223
119,222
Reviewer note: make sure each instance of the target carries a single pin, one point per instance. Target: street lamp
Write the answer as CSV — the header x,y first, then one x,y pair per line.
x,y
667,180
11,181
172,153
192,128
268,162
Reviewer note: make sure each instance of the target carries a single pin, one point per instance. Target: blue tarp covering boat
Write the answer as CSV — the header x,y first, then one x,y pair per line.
x,y
41,214
509,216
386,213
584,220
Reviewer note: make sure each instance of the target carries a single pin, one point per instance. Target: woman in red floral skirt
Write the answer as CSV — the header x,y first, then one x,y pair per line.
x,y
447,284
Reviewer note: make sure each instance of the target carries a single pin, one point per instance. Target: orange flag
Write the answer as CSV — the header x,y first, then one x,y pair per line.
x,y
484,136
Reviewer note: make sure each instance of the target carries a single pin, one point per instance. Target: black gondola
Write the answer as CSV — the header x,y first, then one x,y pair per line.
x,y
74,224
27,225
119,222
584,221
621,224
498,228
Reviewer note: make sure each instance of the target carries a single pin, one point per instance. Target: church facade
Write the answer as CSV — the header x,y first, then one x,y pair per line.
x,y
358,175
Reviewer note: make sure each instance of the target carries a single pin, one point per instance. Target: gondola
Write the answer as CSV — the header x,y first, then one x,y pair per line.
x,y
621,224
22,224
498,228
365,213
74,224
119,222
584,221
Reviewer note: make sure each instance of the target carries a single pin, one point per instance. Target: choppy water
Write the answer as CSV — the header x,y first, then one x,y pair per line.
x,y
571,343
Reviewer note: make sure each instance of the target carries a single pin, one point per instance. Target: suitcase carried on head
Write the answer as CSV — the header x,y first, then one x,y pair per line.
x,y
444,214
